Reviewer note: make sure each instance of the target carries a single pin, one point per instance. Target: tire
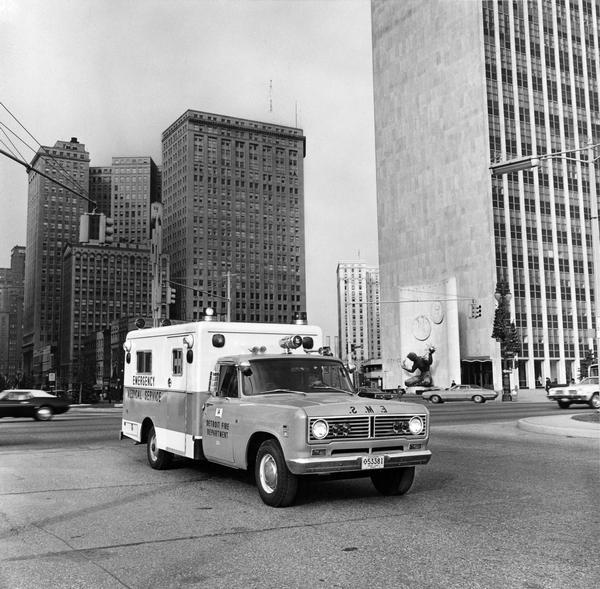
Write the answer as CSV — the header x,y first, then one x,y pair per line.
x,y
477,399
43,413
435,399
594,402
158,459
393,481
564,404
277,486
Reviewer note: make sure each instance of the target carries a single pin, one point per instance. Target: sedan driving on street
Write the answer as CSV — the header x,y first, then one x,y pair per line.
x,y
585,392
40,405
460,392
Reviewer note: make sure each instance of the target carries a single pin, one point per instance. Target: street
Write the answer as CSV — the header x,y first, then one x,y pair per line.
x,y
496,506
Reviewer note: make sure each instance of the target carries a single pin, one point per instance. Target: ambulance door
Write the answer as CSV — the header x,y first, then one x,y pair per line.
x,y
221,414
178,398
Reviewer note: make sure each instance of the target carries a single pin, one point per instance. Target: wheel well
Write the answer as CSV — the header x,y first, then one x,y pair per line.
x,y
146,426
253,445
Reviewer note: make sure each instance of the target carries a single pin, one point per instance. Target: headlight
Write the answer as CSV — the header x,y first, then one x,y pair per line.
x,y
320,429
415,426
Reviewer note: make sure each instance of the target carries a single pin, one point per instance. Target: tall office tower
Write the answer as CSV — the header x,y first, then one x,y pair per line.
x,y
15,311
358,311
458,86
135,185
100,189
233,196
53,214
101,283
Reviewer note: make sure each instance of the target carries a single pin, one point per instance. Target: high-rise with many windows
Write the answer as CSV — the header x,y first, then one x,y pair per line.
x,y
53,214
358,311
459,86
233,196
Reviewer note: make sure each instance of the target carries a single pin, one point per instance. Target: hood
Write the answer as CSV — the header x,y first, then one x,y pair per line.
x,y
328,404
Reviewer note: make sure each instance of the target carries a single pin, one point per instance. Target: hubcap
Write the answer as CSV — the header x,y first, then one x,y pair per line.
x,y
153,447
44,413
596,401
268,473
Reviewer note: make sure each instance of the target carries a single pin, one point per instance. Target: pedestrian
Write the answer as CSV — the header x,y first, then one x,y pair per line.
x,y
547,384
539,382
515,393
453,385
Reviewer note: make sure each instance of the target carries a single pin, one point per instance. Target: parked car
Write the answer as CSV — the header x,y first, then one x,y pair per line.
x,y
586,391
375,393
460,392
40,405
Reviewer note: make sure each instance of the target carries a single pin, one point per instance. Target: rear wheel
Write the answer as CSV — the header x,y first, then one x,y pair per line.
x,y
277,486
435,399
393,481
43,413
564,404
595,401
478,399
158,459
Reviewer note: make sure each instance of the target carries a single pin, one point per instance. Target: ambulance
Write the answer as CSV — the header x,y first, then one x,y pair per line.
x,y
267,398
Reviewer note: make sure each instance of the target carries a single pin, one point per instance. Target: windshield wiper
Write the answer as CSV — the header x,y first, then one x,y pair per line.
x,y
328,388
275,391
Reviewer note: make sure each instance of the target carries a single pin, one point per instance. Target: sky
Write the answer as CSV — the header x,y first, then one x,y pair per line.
x,y
116,73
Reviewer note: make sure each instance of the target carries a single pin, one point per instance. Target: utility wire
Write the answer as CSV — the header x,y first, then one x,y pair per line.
x,y
53,160
10,141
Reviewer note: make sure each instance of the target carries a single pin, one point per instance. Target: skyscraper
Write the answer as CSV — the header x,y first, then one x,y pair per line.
x,y
53,214
233,196
135,185
458,86
358,311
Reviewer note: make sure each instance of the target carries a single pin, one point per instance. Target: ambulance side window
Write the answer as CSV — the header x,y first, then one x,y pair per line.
x,y
177,362
144,362
228,382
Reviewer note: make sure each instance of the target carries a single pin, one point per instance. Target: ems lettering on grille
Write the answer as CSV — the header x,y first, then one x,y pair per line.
x,y
366,427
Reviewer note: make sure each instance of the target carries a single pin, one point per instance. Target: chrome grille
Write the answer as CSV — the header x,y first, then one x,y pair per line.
x,y
365,427
392,426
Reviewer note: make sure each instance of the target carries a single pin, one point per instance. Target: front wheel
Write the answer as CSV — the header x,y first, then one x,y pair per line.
x,y
595,401
435,399
564,404
394,481
158,459
478,399
277,486
43,413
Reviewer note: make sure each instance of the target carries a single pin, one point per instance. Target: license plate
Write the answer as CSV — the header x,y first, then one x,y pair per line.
x,y
369,462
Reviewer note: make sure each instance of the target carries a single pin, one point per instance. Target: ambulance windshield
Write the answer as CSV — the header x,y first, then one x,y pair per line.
x,y
290,374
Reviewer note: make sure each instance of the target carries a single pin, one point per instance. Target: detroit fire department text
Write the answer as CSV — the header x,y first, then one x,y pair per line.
x,y
267,399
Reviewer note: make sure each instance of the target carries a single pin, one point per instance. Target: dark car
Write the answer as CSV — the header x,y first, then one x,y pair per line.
x,y
374,393
40,405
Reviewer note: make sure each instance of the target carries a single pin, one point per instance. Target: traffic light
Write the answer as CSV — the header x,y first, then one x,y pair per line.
x,y
84,228
171,292
475,310
107,229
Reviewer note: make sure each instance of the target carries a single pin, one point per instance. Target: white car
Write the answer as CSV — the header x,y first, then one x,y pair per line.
x,y
587,391
460,392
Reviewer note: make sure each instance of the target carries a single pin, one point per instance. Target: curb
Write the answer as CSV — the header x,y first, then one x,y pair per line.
x,y
563,425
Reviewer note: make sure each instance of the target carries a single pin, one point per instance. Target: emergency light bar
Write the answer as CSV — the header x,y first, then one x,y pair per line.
x,y
291,342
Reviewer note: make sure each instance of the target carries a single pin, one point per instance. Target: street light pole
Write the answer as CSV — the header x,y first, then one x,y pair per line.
x,y
595,242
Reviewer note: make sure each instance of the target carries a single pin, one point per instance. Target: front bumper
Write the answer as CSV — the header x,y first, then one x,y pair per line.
x,y
352,462
567,397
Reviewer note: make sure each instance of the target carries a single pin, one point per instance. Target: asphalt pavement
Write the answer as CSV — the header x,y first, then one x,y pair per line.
x,y
563,424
